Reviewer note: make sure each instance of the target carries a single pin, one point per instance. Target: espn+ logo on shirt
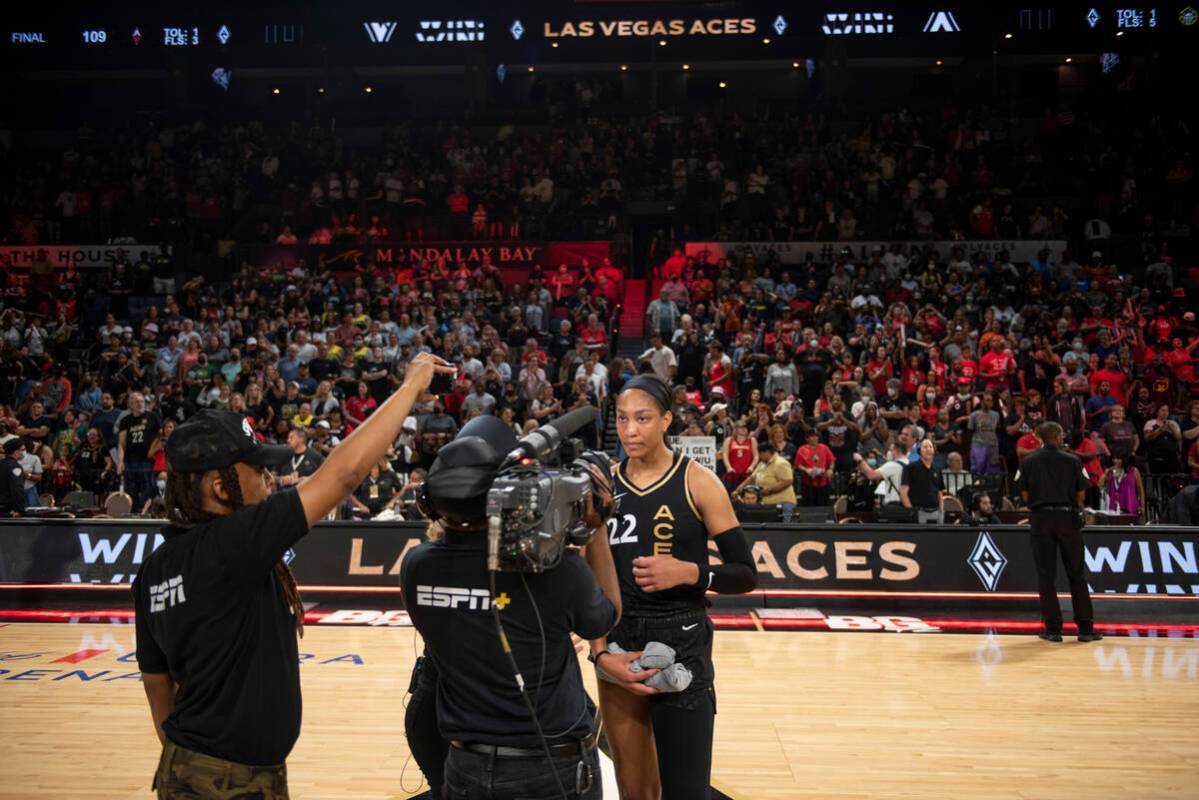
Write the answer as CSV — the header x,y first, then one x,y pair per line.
x,y
168,593
455,597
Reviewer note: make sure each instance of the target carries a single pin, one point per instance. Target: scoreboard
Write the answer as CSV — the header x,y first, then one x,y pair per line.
x,y
416,30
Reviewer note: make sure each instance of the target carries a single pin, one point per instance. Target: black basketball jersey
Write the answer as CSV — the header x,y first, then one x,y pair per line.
x,y
657,520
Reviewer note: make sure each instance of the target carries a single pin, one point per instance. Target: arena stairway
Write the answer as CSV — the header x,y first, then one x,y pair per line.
x,y
630,344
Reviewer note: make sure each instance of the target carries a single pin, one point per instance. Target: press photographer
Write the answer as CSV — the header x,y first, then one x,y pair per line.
x,y
496,600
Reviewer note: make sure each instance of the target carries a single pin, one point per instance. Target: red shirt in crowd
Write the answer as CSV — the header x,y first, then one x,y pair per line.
x,y
941,368
594,338
1180,361
968,369
879,383
809,456
458,203
1028,441
994,368
673,267
1117,379
361,407
1086,448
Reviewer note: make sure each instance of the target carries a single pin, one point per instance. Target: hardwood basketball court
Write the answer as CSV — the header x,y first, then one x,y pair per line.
x,y
801,715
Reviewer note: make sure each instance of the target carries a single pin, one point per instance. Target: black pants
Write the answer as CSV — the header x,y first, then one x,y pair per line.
x,y
476,776
1053,531
420,725
683,722
139,483
816,495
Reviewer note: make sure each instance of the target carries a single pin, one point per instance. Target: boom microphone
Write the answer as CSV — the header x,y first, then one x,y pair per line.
x,y
545,440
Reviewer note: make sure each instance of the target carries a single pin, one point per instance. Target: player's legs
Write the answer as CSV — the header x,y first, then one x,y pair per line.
x,y
631,740
683,733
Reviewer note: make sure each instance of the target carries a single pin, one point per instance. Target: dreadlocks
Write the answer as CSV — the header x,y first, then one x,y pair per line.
x,y
184,498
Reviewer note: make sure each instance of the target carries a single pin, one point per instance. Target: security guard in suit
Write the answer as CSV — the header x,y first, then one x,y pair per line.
x,y
1053,485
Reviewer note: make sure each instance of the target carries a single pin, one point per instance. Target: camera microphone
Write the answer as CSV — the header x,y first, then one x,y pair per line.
x,y
538,444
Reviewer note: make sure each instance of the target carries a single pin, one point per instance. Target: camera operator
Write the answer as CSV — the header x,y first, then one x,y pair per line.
x,y
497,748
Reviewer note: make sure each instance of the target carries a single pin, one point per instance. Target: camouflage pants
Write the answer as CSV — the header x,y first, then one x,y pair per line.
x,y
187,775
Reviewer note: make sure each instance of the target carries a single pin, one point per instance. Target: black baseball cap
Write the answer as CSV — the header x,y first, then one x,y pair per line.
x,y
214,439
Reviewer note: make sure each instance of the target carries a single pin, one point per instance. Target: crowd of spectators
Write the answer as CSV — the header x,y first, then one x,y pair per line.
x,y
944,173
305,355
813,377
829,365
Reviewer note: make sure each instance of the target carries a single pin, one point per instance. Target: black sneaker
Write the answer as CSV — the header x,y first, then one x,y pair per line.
x,y
1050,636
1091,636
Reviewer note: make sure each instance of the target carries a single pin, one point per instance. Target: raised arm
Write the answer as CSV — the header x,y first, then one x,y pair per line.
x,y
350,462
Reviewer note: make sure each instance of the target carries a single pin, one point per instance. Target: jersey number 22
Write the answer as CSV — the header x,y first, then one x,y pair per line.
x,y
630,525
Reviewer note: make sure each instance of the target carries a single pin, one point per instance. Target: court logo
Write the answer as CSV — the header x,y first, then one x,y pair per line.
x,y
987,561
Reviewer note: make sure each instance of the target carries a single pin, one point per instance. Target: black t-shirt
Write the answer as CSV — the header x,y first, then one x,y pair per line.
x,y
42,421
842,440
12,487
321,368
179,410
924,485
305,463
445,586
378,386
813,366
139,433
375,493
210,611
106,421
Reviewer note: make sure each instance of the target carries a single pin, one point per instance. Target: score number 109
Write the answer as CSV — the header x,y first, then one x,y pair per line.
x,y
95,37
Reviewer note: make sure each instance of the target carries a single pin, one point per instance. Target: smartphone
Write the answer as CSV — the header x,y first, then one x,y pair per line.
x,y
441,384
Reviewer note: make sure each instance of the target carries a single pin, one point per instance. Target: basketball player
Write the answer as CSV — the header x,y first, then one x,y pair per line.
x,y
670,507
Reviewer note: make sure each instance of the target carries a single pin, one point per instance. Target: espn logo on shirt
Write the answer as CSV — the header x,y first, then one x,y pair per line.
x,y
168,593
455,597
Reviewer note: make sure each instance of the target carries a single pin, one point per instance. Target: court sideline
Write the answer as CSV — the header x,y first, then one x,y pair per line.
x,y
801,716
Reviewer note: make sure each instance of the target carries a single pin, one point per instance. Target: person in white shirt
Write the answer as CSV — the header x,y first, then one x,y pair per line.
x,y
471,365
889,474
783,375
596,375
306,350
661,358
